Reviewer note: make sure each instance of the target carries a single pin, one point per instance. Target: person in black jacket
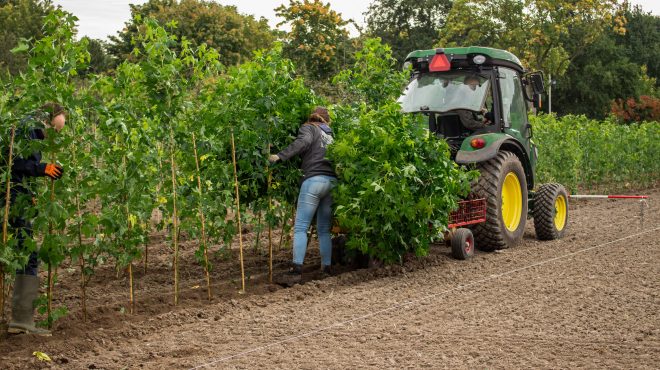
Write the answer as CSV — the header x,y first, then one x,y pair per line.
x,y
315,196
23,170
473,120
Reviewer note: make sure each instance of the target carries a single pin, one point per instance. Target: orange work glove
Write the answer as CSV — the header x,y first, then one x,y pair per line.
x,y
54,171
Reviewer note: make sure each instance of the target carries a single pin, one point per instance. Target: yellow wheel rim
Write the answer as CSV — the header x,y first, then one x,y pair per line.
x,y
511,201
560,212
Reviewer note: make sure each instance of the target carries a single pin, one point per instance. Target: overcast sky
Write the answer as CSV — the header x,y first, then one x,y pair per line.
x,y
101,18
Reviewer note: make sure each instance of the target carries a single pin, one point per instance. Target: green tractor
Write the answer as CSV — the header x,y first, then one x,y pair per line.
x,y
477,98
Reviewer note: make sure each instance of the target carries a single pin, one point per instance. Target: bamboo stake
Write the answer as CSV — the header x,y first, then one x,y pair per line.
x,y
146,249
130,280
257,242
202,220
270,209
49,291
49,296
174,221
83,286
5,220
83,283
131,299
238,212
270,232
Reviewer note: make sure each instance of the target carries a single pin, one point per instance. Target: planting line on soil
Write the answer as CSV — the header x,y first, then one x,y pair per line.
x,y
415,301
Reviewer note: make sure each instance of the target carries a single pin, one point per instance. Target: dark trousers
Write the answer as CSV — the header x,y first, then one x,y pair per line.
x,y
22,229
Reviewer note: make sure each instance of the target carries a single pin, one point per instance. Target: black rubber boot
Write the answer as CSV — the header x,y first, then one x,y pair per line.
x,y
26,290
291,277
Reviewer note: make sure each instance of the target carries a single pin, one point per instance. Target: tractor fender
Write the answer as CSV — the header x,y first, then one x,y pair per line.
x,y
494,143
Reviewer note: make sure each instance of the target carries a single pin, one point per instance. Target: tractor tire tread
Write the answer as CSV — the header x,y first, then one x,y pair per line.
x,y
544,212
457,244
488,235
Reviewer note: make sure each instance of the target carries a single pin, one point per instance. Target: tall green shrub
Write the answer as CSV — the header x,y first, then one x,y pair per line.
x,y
395,180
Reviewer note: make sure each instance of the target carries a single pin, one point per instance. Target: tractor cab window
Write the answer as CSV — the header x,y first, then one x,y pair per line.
x,y
444,92
514,108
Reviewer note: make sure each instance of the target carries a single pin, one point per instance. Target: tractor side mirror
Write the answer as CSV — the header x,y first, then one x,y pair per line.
x,y
538,86
534,88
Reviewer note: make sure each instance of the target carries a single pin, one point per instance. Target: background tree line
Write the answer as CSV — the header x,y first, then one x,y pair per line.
x,y
602,56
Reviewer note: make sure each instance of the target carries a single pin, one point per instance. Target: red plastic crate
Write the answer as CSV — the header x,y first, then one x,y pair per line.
x,y
469,212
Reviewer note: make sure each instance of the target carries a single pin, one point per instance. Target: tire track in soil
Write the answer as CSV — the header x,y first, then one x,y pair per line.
x,y
192,336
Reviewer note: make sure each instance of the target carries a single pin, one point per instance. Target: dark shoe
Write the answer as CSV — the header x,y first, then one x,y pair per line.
x,y
291,277
26,290
326,271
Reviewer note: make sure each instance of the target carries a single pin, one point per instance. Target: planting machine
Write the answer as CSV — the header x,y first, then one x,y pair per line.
x,y
477,99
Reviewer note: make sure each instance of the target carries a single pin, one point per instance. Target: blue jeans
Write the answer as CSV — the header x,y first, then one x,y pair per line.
x,y
315,197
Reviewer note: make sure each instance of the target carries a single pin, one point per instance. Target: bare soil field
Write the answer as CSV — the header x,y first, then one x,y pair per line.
x,y
590,300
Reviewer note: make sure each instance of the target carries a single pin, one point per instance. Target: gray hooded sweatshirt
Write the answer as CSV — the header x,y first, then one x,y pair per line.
x,y
311,144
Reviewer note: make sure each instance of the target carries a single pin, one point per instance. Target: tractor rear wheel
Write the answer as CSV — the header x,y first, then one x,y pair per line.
x,y
550,211
504,185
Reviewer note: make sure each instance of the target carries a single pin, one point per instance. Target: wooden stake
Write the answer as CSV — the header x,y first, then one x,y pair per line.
x,y
238,212
161,181
83,287
131,299
202,220
5,220
270,232
270,209
146,249
49,294
49,291
83,282
174,221
130,279
257,242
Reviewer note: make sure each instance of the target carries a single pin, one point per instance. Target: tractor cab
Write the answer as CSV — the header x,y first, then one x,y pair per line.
x,y
473,92
456,104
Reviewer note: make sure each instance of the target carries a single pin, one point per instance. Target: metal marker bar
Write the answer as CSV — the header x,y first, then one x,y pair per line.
x,y
578,196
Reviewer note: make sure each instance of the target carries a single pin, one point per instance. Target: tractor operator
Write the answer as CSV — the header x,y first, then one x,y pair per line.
x,y
470,119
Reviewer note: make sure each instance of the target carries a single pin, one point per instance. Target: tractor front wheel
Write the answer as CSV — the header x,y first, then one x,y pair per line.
x,y
550,211
462,244
503,183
